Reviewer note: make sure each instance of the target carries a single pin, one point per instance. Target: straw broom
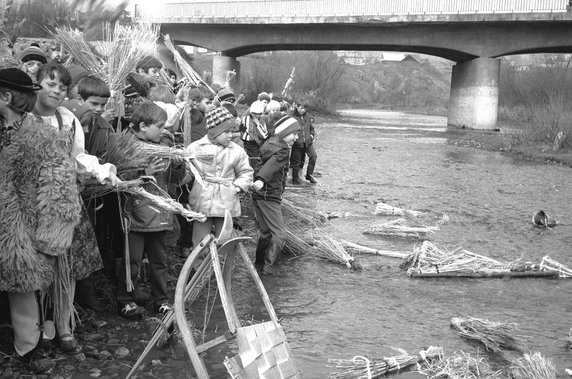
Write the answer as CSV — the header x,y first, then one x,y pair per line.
x,y
362,367
397,228
549,264
184,66
533,366
458,366
389,210
496,336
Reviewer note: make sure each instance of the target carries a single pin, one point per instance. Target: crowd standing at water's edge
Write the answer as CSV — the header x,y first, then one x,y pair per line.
x,y
59,123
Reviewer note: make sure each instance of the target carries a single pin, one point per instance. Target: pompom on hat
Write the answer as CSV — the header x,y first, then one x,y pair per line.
x,y
18,80
285,126
263,96
33,53
219,120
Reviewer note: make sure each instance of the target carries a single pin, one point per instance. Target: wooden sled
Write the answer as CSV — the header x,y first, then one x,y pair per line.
x,y
263,350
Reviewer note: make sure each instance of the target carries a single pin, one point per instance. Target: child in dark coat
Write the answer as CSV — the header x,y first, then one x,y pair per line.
x,y
269,181
147,225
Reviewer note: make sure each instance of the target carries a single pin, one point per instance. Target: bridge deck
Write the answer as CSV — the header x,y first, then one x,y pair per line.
x,y
300,11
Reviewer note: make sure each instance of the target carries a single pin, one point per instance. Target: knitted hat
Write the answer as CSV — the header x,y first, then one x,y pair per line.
x,y
219,120
224,94
257,107
33,53
285,126
18,80
263,96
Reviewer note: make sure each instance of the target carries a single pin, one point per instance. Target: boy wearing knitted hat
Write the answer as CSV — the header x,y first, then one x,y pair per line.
x,y
224,173
269,182
32,58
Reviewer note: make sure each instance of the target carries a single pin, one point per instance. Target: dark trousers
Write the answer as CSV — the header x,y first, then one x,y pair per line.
x,y
298,157
153,243
270,221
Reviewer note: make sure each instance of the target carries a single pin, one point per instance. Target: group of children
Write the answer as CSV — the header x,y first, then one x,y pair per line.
x,y
56,125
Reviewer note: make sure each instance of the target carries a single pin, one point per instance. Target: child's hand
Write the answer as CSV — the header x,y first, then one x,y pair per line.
x,y
257,185
177,157
108,115
155,165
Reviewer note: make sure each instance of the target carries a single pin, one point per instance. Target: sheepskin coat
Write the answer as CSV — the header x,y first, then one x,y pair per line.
x,y
39,205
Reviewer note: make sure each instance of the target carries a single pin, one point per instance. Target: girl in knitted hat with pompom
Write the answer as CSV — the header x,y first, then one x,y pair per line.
x,y
224,173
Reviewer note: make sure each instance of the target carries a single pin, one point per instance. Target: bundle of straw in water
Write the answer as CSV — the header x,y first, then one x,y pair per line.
x,y
458,366
362,367
496,336
533,366
323,247
398,228
549,264
328,248
388,210
428,258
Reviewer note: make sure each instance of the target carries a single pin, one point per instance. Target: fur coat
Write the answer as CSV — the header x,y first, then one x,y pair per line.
x,y
39,206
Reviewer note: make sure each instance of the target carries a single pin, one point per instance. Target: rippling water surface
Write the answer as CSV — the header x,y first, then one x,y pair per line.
x,y
406,160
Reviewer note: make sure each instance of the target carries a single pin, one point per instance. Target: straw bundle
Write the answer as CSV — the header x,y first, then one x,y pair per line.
x,y
398,228
75,43
428,258
533,366
458,366
302,217
168,204
188,72
114,58
496,336
325,247
389,210
362,367
549,264
328,248
164,201
127,152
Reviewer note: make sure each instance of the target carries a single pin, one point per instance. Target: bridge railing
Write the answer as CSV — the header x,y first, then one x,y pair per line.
x,y
332,8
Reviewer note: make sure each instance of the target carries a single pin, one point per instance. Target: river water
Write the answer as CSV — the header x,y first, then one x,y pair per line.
x,y
407,161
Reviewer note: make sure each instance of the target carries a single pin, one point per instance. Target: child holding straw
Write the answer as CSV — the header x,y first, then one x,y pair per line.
x,y
146,225
84,257
269,182
224,170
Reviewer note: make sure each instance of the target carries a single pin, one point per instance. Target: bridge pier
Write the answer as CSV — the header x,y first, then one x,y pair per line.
x,y
222,64
473,100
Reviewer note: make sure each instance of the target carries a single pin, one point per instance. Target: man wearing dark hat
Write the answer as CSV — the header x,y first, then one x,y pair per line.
x,y
30,151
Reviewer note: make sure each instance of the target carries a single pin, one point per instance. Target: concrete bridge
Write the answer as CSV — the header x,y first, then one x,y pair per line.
x,y
472,33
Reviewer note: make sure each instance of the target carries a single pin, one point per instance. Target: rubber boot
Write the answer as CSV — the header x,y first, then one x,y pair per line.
x,y
271,259
295,177
261,248
85,295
